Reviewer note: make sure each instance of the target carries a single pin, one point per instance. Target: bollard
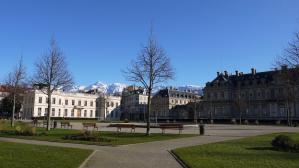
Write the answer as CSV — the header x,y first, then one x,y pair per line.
x,y
201,129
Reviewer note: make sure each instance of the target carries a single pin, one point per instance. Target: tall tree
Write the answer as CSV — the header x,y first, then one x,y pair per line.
x,y
151,67
289,74
52,74
14,81
7,104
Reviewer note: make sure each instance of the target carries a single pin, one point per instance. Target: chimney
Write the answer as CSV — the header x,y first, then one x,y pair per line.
x,y
284,67
237,73
225,73
253,71
218,73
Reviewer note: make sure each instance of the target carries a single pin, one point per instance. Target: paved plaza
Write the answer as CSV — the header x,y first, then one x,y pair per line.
x,y
156,154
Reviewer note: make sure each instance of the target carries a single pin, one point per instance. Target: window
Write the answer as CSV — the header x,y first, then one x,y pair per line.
x,y
91,103
59,101
73,102
66,102
46,111
53,100
39,112
72,113
85,113
79,103
53,111
59,112
116,104
112,104
65,112
47,100
40,100
91,113
108,105
85,103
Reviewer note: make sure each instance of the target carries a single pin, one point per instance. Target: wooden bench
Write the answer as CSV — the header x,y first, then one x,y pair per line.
x,y
179,127
66,125
120,126
92,125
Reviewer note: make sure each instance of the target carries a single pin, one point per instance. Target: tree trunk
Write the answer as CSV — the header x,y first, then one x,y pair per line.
x,y
49,110
149,108
13,110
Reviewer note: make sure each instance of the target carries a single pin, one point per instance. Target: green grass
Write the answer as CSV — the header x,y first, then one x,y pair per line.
x,y
111,138
14,155
250,152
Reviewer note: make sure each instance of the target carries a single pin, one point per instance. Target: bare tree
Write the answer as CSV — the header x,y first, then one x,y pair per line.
x,y
289,73
151,67
14,81
52,74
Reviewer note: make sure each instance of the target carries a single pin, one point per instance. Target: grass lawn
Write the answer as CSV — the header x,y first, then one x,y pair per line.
x,y
14,155
109,138
250,152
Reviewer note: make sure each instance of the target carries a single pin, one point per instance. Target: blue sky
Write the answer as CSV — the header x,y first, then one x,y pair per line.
x,y
100,37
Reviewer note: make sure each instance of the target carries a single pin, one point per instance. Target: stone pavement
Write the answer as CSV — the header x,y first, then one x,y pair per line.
x,y
156,154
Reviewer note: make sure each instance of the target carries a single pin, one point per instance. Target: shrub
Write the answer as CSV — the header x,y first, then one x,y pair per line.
x,y
126,121
2,125
25,129
91,136
283,142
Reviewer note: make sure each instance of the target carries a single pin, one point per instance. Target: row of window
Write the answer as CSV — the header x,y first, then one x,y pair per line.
x,y
65,113
183,96
66,102
182,102
111,104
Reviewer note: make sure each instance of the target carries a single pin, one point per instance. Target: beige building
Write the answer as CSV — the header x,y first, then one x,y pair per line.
x,y
133,103
166,100
64,105
108,107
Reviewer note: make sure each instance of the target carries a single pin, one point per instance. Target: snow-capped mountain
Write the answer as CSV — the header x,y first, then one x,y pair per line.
x,y
114,88
193,88
78,89
117,88
189,88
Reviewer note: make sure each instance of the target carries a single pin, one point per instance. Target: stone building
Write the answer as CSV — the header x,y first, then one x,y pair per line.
x,y
133,103
108,107
253,97
64,105
165,104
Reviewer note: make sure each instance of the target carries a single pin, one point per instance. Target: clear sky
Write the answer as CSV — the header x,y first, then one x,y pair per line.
x,y
100,37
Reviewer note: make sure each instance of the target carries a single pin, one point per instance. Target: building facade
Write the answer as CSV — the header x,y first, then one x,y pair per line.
x,y
64,105
165,104
133,103
4,92
108,107
253,96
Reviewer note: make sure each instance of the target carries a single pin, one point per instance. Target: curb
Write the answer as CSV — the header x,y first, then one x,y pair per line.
x,y
178,159
87,159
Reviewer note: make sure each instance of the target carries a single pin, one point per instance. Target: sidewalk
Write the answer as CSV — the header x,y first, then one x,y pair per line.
x,y
156,154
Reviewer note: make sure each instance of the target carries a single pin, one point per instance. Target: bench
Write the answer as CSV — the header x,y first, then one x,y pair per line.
x,y
179,127
120,126
66,125
92,125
